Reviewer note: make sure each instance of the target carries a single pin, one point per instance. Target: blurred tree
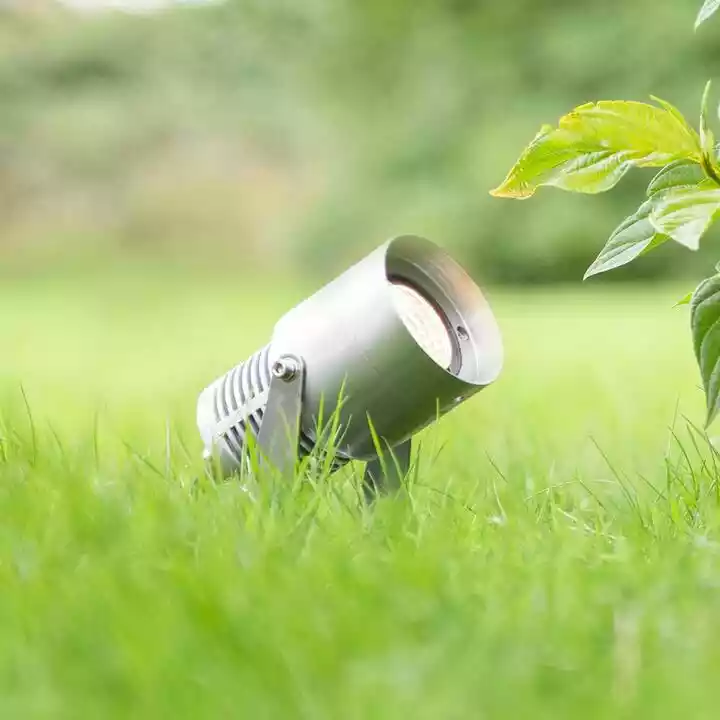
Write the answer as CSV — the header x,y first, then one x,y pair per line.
x,y
308,132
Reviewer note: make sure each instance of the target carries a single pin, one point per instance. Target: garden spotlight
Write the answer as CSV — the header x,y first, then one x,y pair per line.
x,y
396,341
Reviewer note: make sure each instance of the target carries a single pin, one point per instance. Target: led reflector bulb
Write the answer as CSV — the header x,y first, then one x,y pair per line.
x,y
424,322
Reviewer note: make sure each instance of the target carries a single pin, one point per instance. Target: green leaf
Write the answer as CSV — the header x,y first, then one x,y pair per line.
x,y
708,9
685,214
681,173
684,300
705,322
635,236
674,112
595,145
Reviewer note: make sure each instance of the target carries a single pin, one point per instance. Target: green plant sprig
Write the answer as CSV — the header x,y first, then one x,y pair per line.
x,y
595,145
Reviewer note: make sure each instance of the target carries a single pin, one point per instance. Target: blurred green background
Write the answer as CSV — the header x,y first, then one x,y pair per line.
x,y
256,135
170,184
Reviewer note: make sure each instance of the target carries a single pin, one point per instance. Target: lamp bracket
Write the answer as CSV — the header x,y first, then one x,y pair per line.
x,y
279,434
280,426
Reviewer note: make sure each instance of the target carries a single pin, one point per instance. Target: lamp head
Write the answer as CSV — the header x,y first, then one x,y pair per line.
x,y
401,337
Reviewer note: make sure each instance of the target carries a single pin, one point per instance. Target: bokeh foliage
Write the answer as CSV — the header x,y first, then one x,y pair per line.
x,y
308,132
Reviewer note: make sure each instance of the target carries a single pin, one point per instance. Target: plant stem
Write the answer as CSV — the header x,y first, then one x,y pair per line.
x,y
710,169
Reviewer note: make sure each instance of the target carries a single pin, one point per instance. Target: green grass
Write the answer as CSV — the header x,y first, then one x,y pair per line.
x,y
522,574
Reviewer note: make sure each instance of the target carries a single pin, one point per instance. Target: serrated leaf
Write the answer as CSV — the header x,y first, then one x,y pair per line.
x,y
705,323
681,173
685,214
635,236
596,144
679,117
706,11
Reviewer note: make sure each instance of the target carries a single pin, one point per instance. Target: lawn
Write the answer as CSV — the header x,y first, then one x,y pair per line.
x,y
555,555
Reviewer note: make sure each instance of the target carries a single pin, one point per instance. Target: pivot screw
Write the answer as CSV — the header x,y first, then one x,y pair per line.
x,y
285,368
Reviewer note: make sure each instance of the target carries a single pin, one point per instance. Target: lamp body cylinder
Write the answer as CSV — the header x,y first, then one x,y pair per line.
x,y
362,359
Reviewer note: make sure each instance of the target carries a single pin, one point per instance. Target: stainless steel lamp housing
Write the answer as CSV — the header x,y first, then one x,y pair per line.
x,y
397,340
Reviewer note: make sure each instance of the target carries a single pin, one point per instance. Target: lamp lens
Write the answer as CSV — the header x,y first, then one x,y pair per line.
x,y
424,322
